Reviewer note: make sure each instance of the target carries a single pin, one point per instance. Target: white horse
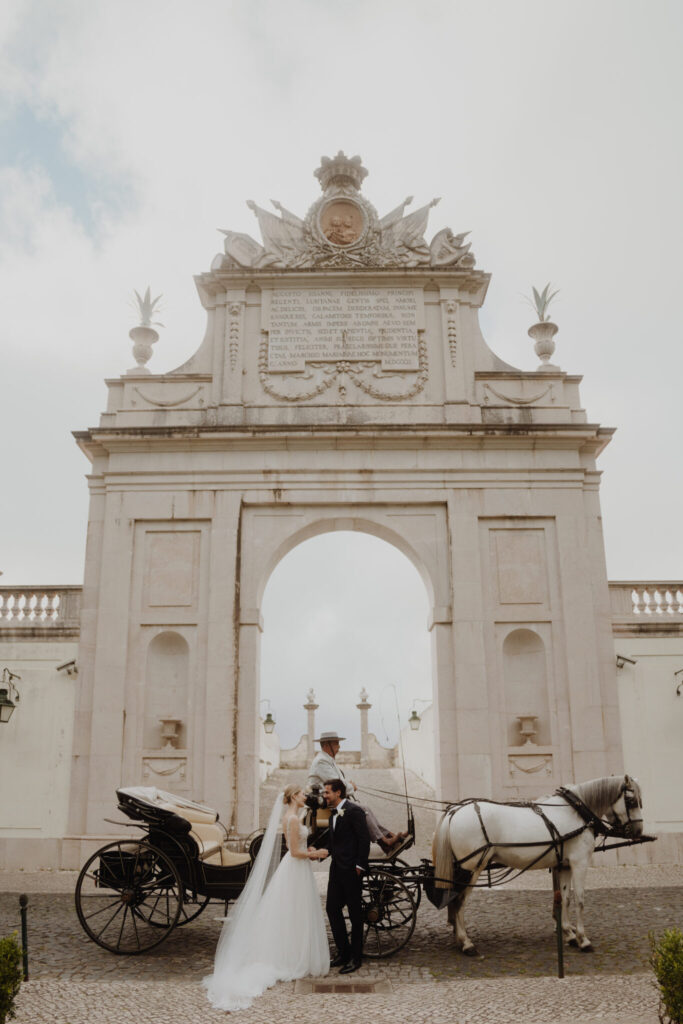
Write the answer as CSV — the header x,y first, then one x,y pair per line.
x,y
557,832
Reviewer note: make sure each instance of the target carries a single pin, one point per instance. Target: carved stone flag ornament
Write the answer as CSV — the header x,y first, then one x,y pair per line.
x,y
342,229
317,337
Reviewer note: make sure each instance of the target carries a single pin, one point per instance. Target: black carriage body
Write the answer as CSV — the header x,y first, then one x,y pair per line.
x,y
171,834
133,892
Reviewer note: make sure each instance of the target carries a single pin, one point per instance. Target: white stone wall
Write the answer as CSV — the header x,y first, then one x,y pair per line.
x,y
418,748
651,718
35,753
652,725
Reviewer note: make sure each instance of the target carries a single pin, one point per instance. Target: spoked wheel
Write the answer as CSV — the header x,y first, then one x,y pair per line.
x,y
389,913
189,910
129,897
408,875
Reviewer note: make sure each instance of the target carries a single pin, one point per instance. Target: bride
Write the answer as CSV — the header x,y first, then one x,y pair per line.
x,y
275,931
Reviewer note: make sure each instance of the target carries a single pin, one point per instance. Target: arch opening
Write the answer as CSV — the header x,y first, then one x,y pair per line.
x,y
345,610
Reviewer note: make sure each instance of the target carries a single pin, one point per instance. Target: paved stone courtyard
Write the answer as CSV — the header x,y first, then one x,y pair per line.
x,y
74,982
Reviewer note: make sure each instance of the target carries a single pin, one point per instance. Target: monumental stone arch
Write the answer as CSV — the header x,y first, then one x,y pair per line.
x,y
342,383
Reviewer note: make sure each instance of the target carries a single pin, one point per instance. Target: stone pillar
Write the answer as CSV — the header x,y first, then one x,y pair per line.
x,y
364,707
311,707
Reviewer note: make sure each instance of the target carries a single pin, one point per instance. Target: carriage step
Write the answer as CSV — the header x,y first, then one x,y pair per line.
x,y
339,986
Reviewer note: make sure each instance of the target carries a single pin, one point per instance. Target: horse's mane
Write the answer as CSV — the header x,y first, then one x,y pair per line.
x,y
600,794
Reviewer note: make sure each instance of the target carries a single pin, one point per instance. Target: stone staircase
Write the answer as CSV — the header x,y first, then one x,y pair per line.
x,y
391,813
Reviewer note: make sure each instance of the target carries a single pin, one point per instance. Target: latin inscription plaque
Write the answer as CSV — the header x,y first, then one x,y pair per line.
x,y
338,324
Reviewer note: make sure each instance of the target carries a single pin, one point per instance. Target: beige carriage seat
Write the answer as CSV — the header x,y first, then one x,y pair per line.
x,y
206,832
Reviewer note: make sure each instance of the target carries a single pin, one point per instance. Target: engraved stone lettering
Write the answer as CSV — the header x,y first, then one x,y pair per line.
x,y
351,324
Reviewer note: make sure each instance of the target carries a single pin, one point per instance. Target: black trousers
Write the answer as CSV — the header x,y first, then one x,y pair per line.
x,y
344,890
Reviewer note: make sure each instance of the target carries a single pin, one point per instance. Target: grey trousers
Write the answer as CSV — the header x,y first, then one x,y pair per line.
x,y
376,830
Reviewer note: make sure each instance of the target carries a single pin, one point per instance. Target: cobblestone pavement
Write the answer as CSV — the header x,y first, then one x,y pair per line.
x,y
74,981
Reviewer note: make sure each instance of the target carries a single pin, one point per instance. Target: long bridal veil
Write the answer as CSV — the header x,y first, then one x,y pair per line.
x,y
239,937
275,931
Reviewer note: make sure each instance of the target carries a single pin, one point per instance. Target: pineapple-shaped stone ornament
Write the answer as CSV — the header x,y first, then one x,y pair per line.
x,y
545,330
144,336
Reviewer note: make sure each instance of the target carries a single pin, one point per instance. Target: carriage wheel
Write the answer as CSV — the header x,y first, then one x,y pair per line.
x,y
129,897
189,910
412,884
389,913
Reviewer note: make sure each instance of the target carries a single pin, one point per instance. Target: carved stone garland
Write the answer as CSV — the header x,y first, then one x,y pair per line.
x,y
352,370
452,331
235,314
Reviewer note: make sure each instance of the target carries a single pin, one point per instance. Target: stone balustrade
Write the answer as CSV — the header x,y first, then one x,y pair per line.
x,y
58,608
640,607
49,609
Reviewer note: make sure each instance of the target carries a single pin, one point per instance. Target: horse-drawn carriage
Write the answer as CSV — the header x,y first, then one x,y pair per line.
x,y
133,892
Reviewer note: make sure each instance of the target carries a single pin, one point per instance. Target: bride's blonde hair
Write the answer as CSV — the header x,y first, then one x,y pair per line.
x,y
291,790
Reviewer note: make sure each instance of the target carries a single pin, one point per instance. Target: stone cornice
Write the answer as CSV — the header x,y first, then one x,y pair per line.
x,y
98,441
469,282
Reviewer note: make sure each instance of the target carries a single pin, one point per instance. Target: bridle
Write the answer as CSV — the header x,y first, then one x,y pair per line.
x,y
613,822
632,802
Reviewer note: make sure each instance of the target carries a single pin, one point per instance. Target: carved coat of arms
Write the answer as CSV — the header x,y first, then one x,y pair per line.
x,y
363,336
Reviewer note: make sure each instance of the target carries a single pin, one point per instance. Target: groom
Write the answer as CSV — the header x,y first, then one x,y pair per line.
x,y
349,844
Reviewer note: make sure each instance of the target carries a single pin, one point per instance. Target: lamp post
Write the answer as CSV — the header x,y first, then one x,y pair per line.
x,y
414,720
268,721
310,707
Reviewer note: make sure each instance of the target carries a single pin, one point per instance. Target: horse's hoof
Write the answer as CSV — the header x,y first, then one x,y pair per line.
x,y
586,949
573,941
471,951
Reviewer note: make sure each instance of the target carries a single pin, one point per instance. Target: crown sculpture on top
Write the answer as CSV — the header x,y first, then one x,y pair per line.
x,y
342,229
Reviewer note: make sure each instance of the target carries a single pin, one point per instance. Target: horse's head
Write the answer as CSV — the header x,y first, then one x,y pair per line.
x,y
626,813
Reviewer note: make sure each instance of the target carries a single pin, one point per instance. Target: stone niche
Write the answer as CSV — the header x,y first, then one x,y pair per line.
x,y
165,755
527,708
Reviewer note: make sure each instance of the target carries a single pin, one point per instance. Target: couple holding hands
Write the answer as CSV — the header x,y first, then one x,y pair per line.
x,y
276,931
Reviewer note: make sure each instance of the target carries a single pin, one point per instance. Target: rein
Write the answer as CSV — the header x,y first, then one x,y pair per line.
x,y
597,826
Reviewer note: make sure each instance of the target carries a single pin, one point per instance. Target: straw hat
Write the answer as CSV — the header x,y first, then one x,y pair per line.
x,y
330,737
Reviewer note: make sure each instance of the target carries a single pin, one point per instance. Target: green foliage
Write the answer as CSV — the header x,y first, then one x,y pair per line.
x,y
10,976
147,307
541,301
666,960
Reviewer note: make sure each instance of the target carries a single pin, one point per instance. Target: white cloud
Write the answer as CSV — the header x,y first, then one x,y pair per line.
x,y
549,130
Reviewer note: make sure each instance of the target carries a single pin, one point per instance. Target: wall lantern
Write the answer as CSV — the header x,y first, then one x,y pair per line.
x,y
268,721
7,691
414,720
678,688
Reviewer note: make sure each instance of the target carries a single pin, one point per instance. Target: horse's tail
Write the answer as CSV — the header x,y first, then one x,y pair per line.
x,y
442,854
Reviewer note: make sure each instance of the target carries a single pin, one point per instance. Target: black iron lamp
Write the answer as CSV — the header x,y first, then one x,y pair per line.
x,y
414,720
268,721
8,691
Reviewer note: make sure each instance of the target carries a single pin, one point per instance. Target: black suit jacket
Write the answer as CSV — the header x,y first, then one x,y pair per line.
x,y
349,838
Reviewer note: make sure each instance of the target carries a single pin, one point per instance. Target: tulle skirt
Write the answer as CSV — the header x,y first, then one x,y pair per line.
x,y
285,939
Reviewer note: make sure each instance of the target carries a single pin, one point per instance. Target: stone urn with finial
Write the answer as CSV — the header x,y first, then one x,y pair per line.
x,y
144,336
545,330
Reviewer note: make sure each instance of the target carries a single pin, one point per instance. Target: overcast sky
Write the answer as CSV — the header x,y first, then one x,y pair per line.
x,y
131,131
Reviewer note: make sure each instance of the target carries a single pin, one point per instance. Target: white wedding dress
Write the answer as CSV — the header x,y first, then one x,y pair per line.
x,y
275,931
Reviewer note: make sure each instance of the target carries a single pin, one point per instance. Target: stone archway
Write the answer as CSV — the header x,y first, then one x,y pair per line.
x,y
345,384
268,533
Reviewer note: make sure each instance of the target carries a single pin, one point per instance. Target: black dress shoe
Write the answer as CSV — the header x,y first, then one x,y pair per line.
x,y
351,966
339,961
